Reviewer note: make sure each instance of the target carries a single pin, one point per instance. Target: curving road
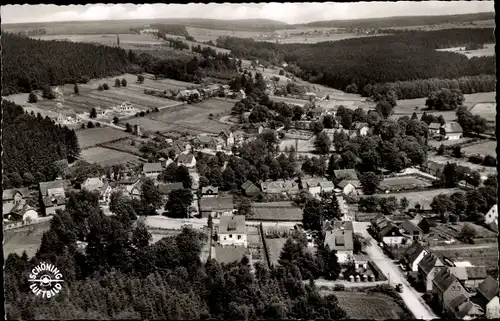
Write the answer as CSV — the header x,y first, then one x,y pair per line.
x,y
411,297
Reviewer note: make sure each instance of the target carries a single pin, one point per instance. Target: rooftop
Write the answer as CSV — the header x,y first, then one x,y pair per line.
x,y
452,127
45,186
152,167
232,224
8,194
488,288
339,240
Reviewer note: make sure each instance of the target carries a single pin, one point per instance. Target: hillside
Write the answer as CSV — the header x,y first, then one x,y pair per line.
x,y
408,21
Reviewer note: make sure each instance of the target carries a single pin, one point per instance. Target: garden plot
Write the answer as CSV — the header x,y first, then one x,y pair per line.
x,y
108,157
369,306
275,246
95,136
485,148
424,198
404,182
487,256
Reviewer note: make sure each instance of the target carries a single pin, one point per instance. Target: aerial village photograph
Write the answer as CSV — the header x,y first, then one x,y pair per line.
x,y
252,161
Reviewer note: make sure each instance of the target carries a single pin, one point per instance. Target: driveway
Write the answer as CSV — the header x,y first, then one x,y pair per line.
x,y
410,296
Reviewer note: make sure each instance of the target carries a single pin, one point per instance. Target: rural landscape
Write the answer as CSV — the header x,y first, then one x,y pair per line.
x,y
252,169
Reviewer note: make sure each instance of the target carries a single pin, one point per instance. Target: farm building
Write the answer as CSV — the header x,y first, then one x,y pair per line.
x,y
250,188
228,138
451,131
386,231
280,187
232,230
13,197
187,160
276,212
209,191
469,276
411,230
21,212
93,184
219,206
152,170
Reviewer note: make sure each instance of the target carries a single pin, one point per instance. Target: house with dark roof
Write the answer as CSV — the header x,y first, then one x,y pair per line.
x,y
433,168
152,170
280,187
209,191
487,297
387,231
216,206
250,189
413,255
52,196
350,187
232,230
451,131
187,160
348,174
13,197
427,268
21,212
341,241
451,297
276,212
411,230
316,185
434,129
475,276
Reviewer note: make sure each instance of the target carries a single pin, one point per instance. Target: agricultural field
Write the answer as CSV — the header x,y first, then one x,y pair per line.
x,y
485,148
369,306
22,239
125,145
104,39
108,157
95,136
424,198
487,110
308,39
483,170
204,35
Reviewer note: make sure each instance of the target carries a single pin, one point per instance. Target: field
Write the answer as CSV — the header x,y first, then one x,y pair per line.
x,y
487,110
487,256
204,35
104,39
107,157
275,246
483,170
485,148
125,145
370,306
24,239
95,136
489,50
424,198
398,183
307,39
437,143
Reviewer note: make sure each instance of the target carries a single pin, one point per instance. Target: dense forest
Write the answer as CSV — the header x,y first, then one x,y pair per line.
x,y
119,275
31,145
362,61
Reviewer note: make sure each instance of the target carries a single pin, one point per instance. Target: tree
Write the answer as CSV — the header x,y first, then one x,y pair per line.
x,y
450,175
329,121
360,243
388,205
105,86
116,120
316,127
82,126
100,87
76,90
150,194
442,204
117,82
244,207
384,108
90,124
178,203
441,150
140,79
404,203
369,182
352,88
128,128
467,234
93,113
124,82
322,143
32,98
457,151
330,208
445,99
473,178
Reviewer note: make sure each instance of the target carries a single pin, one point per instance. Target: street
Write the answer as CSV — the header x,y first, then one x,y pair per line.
x,y
395,275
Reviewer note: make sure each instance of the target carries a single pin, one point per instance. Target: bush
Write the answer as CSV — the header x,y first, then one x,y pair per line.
x,y
100,88
282,72
32,98
117,83
105,86
476,159
124,82
489,161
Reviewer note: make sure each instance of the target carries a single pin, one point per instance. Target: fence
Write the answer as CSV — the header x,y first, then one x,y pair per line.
x,y
264,243
379,276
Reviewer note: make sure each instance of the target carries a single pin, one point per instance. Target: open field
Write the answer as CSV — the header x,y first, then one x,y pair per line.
x,y
485,148
448,142
125,145
479,257
370,306
424,198
483,170
275,246
107,157
488,50
307,39
104,39
95,136
22,239
487,110
203,35
404,182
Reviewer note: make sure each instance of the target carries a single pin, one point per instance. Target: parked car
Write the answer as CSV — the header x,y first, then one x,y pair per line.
x,y
399,287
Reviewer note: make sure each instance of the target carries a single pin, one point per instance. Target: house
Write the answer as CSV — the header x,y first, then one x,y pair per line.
x,y
433,168
427,269
487,297
232,230
413,255
152,170
92,184
317,185
361,128
133,189
209,191
350,187
492,215
205,141
166,188
451,131
217,206
21,212
13,197
451,297
475,276
434,129
493,309
52,196
187,160
105,193
422,223
228,138
239,137
276,212
342,241
386,231
99,111
411,230
250,188
280,187
345,174
180,147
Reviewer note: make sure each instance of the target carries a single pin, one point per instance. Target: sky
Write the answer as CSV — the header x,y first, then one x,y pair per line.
x,y
286,12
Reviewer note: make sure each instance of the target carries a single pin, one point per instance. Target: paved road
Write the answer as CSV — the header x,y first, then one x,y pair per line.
x,y
411,297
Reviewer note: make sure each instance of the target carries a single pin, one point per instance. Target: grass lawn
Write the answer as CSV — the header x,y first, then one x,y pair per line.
x,y
424,198
404,182
487,110
94,136
484,148
483,170
448,142
24,239
275,246
107,157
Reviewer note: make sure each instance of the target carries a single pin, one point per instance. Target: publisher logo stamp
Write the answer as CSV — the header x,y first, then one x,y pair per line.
x,y
46,280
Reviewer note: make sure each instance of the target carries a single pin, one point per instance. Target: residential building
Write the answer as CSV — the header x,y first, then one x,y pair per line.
x,y
21,212
134,189
152,170
433,168
342,241
317,185
451,131
427,269
92,184
239,137
361,128
492,309
13,197
228,138
487,297
232,230
53,196
105,193
422,223
411,230
276,212
250,189
280,187
219,206
205,141
492,215
387,232
187,160
434,129
413,255
451,297
209,191
475,276
350,187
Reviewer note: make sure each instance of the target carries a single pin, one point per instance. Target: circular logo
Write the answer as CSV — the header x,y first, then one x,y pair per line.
x,y
46,280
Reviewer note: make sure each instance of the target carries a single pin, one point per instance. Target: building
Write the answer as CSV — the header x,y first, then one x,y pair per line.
x,y
433,168
434,129
413,255
21,212
205,141
342,241
492,309
276,212
232,230
451,297
100,112
427,268
451,131
53,196
209,191
187,160
92,184
250,189
317,185
133,189
361,128
280,187
411,230
219,206
487,297
228,138
475,276
422,223
492,215
152,170
386,231
13,197
350,187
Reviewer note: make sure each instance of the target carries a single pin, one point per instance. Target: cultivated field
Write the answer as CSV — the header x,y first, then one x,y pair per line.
x,y
485,148
24,239
95,136
315,39
370,306
424,198
107,157
275,246
104,39
487,110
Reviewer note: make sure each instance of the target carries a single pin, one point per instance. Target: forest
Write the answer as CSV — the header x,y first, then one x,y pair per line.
x,y
24,161
362,61
120,275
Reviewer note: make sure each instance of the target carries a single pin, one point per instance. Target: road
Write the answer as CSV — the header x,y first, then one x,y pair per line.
x,y
409,295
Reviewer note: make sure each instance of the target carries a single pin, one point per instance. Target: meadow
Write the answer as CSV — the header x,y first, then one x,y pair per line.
x,y
488,50
424,198
485,148
95,136
483,170
22,239
108,157
487,110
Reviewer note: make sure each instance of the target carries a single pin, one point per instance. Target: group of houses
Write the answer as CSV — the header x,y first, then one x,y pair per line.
x,y
447,131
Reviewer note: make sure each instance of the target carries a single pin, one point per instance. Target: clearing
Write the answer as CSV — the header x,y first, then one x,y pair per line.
x,y
487,110
484,148
95,136
483,170
488,50
404,182
26,239
424,198
107,157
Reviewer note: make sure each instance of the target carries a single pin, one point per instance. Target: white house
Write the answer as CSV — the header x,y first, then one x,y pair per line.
x,y
493,309
99,111
341,240
232,230
152,170
317,185
413,255
187,160
451,131
492,215
92,184
350,187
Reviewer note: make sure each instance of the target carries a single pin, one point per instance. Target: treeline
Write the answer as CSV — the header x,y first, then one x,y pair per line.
x,y
31,145
120,275
170,29
423,87
30,64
